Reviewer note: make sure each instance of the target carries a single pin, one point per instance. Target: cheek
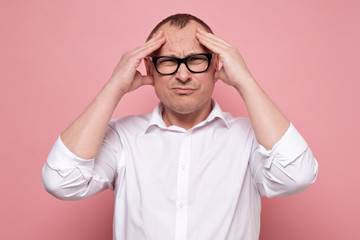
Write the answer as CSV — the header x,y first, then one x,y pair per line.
x,y
209,82
161,85
210,86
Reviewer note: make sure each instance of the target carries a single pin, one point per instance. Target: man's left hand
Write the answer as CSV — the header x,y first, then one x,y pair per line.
x,y
234,71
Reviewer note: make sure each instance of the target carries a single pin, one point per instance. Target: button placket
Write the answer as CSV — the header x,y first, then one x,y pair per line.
x,y
182,187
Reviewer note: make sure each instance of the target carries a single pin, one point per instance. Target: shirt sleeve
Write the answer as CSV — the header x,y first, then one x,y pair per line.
x,y
288,168
69,177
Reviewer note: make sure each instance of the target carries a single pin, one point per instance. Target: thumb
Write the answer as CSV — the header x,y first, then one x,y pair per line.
x,y
147,80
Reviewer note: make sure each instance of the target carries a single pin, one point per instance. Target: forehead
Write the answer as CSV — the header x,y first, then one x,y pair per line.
x,y
181,41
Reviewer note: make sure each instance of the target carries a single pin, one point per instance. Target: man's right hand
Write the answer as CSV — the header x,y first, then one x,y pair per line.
x,y
126,77
84,136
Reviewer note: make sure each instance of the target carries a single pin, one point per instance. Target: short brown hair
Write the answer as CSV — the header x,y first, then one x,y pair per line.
x,y
179,20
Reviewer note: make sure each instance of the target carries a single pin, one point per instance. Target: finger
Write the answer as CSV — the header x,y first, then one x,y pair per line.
x,y
147,50
212,36
156,42
213,46
215,38
148,80
213,42
140,80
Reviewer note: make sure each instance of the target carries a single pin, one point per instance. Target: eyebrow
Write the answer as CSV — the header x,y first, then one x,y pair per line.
x,y
174,55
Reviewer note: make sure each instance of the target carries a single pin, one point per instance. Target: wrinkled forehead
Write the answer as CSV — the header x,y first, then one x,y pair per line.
x,y
181,42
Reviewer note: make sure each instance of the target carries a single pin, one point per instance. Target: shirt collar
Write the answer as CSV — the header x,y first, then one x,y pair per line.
x,y
157,120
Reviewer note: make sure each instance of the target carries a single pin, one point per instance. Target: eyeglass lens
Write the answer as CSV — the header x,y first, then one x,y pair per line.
x,y
195,63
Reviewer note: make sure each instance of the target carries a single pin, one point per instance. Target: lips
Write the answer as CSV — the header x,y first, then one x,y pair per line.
x,y
184,90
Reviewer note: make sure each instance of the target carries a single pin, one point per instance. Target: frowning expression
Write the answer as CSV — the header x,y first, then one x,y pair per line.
x,y
183,92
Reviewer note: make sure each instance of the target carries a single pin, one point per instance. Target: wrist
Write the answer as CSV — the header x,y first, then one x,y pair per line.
x,y
244,83
116,91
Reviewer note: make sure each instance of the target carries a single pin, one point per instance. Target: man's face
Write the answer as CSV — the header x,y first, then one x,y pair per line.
x,y
183,92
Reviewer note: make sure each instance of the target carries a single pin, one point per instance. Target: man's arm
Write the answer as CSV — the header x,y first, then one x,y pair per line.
x,y
84,136
283,164
268,121
71,171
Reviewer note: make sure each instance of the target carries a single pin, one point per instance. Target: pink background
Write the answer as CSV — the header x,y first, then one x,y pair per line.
x,y
56,55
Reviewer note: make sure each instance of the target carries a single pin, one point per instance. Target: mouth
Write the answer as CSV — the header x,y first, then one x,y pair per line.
x,y
183,90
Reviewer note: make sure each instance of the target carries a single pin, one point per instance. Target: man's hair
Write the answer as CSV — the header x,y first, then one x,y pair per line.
x,y
179,20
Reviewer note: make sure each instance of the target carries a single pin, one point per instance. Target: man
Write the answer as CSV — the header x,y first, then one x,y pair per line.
x,y
188,170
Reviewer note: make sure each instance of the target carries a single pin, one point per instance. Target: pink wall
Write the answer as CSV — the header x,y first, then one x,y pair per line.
x,y
55,56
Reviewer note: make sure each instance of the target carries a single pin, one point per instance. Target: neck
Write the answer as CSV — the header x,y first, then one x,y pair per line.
x,y
187,120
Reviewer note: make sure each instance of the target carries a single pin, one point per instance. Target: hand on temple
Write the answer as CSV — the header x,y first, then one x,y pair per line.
x,y
126,77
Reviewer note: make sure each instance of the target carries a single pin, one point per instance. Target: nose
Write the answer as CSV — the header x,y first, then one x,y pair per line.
x,y
183,74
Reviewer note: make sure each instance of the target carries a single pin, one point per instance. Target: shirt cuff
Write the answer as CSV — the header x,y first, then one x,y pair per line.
x,y
64,161
290,146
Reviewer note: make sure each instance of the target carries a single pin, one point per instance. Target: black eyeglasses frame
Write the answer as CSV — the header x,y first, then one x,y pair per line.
x,y
182,60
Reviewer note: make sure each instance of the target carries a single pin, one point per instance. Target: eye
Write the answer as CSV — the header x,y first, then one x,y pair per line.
x,y
197,59
165,61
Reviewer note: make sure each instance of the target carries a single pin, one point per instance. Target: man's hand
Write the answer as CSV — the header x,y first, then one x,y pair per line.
x,y
126,77
268,122
84,136
234,70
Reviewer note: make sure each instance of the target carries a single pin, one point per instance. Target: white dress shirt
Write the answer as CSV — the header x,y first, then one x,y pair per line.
x,y
204,183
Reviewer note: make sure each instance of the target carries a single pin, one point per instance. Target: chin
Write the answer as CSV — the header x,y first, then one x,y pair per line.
x,y
184,104
185,107
184,110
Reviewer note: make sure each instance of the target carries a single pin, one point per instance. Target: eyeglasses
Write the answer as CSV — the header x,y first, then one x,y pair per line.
x,y
196,63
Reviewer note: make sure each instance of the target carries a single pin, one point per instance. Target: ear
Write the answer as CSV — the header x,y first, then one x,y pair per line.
x,y
216,61
149,66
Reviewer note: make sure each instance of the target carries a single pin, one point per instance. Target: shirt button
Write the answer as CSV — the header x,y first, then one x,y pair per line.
x,y
183,167
181,205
